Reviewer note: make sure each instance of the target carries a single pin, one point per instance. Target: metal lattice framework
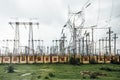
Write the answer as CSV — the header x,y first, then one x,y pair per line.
x,y
17,38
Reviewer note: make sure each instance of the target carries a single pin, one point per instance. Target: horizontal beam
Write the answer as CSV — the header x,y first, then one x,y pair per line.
x,y
24,23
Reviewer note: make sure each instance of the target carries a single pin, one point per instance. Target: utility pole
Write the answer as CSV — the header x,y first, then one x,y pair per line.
x,y
60,46
79,46
6,46
118,50
92,40
35,46
42,47
87,43
83,45
115,37
53,51
39,47
63,43
56,46
30,43
99,47
50,50
95,48
106,46
109,33
89,51
74,41
47,49
68,48
102,46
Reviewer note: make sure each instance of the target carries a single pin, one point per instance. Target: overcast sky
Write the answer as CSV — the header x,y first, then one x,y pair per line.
x,y
52,15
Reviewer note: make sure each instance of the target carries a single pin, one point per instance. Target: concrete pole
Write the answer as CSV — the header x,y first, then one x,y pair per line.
x,y
16,42
99,47
102,46
79,46
109,32
47,49
83,45
106,46
92,41
87,43
31,44
53,47
115,37
74,41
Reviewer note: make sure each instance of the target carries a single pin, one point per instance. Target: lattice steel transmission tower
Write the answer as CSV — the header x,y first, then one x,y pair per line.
x,y
75,23
16,38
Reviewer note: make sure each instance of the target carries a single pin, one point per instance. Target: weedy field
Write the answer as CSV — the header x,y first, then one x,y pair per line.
x,y
60,72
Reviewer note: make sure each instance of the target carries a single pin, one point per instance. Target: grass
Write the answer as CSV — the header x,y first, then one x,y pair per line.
x,y
57,72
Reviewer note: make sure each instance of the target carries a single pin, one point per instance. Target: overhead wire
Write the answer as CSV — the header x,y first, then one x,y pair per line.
x,y
111,13
111,10
98,16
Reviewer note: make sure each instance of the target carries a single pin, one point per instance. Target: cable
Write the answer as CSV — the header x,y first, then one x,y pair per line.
x,y
98,17
111,12
86,3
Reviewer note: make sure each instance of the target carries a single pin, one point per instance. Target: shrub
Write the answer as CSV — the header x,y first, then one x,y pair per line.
x,y
46,77
10,69
74,61
110,69
77,60
106,68
100,74
51,75
93,76
92,61
84,77
39,77
114,62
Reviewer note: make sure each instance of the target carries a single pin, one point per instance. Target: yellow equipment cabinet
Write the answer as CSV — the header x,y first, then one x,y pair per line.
x,y
15,59
23,59
100,59
46,59
31,59
54,59
39,59
107,59
6,59
63,59
85,59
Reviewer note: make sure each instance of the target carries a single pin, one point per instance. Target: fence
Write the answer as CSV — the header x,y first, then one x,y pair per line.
x,y
56,59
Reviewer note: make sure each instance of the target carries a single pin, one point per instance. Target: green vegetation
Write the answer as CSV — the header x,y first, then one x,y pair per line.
x,y
10,68
61,72
51,74
93,61
75,61
46,77
115,62
111,68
